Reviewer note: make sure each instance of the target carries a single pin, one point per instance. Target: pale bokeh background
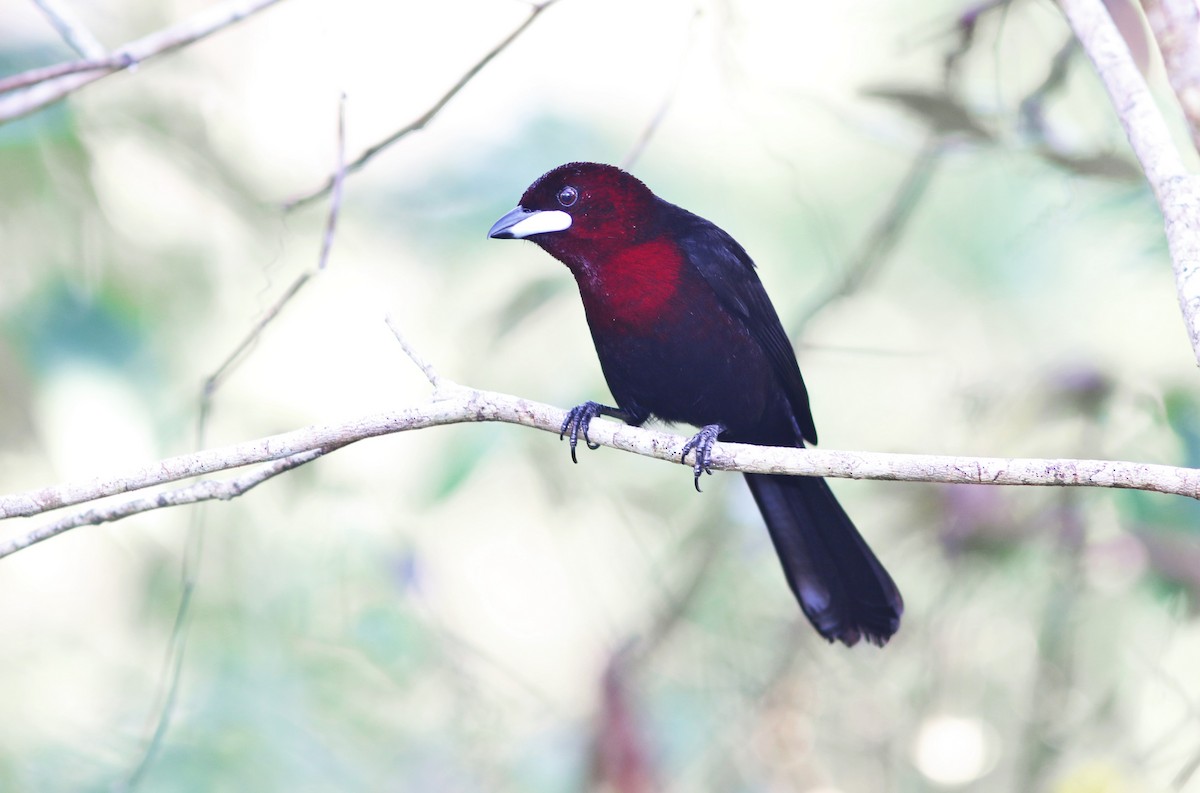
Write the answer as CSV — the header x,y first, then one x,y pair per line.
x,y
436,611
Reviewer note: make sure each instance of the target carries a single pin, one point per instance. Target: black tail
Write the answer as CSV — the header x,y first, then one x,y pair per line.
x,y
842,588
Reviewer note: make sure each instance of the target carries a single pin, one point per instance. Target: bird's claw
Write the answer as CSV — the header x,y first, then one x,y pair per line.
x,y
576,424
702,442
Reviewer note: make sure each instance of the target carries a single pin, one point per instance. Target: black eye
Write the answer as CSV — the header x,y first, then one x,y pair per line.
x,y
567,196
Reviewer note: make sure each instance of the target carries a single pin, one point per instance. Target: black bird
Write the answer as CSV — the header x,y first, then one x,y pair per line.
x,y
685,332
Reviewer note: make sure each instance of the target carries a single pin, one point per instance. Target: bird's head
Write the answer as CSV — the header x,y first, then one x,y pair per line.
x,y
580,211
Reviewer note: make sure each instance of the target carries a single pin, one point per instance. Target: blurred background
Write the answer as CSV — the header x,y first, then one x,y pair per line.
x,y
947,217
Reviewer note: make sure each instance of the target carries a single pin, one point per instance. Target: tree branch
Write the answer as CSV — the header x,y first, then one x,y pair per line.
x,y
44,73
469,405
214,381
668,99
888,228
419,123
68,80
71,29
1176,190
192,494
1176,27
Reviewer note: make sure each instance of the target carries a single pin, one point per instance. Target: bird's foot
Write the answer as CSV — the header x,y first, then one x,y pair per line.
x,y
702,442
577,422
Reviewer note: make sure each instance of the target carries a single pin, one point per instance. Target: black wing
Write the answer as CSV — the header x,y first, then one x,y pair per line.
x,y
729,270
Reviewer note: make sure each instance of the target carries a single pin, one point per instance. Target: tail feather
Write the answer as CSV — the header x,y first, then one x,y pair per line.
x,y
842,588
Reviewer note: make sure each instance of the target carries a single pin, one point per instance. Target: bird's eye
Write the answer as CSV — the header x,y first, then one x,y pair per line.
x,y
567,196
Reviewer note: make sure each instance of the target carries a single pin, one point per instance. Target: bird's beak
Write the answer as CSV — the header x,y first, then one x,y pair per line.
x,y
522,222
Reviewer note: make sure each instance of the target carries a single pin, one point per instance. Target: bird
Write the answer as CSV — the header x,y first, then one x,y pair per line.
x,y
685,333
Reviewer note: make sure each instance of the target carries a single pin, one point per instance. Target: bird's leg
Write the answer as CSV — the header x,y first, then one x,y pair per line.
x,y
578,419
702,442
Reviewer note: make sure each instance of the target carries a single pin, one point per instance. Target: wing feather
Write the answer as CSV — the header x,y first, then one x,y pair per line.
x,y
730,272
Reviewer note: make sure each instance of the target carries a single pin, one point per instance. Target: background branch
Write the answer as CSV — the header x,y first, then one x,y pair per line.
x,y
226,367
207,22
888,228
73,31
172,668
1176,28
192,494
44,73
1176,190
419,123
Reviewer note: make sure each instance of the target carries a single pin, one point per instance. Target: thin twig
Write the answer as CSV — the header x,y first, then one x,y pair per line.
x,y
176,646
172,672
1185,774
72,29
1176,190
422,363
40,75
335,205
966,26
677,603
215,380
668,99
339,180
1033,106
422,120
202,25
888,227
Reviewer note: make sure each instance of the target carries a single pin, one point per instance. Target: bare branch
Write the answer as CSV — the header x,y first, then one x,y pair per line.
x,y
203,491
664,106
217,377
71,29
204,24
888,227
419,123
966,27
1033,106
192,494
339,180
42,74
1176,190
1176,26
422,363
469,405
335,205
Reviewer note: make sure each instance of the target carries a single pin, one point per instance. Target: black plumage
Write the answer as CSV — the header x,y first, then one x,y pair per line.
x,y
685,332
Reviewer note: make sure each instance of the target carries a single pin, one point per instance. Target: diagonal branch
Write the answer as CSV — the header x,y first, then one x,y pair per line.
x,y
41,74
668,99
226,367
202,25
71,29
889,227
172,669
419,123
1175,189
468,405
431,374
191,494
